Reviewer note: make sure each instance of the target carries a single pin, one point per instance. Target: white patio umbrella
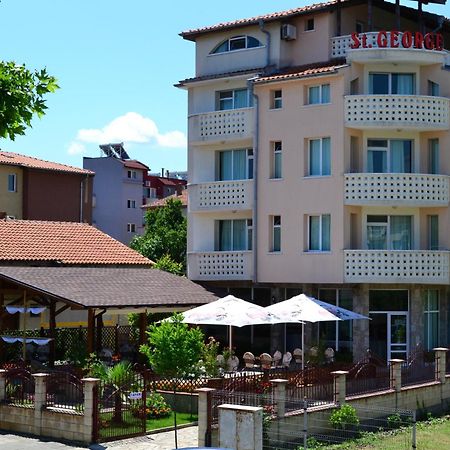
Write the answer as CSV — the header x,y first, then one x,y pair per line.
x,y
231,311
301,308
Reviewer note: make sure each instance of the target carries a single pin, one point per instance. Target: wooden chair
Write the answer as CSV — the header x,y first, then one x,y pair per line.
x,y
287,358
298,355
266,361
220,361
277,356
233,363
249,360
329,355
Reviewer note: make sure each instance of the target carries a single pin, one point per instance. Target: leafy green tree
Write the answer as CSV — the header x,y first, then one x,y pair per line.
x,y
165,236
167,264
22,94
174,351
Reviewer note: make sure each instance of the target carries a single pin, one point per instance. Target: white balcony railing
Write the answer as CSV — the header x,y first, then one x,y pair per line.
x,y
221,195
397,111
396,266
205,266
234,124
396,188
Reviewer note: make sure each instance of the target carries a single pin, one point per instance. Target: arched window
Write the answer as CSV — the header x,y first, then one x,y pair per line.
x,y
237,43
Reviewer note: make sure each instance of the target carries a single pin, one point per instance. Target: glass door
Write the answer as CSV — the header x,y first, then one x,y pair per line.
x,y
398,335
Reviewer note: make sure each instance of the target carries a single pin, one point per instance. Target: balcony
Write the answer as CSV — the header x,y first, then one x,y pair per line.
x,y
221,195
396,266
414,112
209,266
341,48
409,189
216,126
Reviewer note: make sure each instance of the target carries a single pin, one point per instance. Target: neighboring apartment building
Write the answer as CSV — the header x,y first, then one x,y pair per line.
x,y
35,189
159,187
318,163
118,195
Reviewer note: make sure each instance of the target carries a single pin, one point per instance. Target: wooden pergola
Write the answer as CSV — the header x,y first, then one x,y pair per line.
x,y
98,290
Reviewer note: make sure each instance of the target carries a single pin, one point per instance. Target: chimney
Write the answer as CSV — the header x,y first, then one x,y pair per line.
x,y
162,172
167,174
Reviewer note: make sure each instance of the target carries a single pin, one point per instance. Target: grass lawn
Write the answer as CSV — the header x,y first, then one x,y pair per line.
x,y
165,422
431,435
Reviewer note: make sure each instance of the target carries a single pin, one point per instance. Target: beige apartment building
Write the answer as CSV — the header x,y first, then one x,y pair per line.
x,y
318,163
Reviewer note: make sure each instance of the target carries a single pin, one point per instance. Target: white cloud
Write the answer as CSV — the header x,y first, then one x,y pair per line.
x,y
129,128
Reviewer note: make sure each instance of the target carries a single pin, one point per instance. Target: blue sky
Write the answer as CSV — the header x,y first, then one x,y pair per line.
x,y
116,63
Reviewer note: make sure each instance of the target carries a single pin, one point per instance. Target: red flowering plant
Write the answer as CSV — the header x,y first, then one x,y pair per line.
x,y
156,406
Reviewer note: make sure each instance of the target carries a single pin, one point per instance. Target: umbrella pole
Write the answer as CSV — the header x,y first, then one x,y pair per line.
x,y
230,338
24,349
303,346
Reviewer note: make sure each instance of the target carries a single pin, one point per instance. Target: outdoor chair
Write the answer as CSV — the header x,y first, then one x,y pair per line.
x,y
266,361
233,363
277,358
105,355
298,355
287,358
329,355
249,360
220,361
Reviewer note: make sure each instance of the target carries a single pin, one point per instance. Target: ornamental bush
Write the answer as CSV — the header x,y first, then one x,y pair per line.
x,y
156,406
344,418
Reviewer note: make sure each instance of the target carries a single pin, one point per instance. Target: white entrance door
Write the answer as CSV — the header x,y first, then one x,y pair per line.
x,y
397,335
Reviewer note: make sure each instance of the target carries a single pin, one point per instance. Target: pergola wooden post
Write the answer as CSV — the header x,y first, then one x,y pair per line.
x,y
52,327
142,328
90,331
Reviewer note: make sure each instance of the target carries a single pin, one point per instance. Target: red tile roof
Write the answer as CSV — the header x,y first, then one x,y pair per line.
x,y
68,242
183,197
133,164
234,73
15,159
192,34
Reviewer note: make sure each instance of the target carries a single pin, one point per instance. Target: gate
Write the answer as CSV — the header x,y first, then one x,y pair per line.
x,y
121,408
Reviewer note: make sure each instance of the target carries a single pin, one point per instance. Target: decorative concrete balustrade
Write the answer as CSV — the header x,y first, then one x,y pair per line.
x,y
397,111
396,266
412,189
221,195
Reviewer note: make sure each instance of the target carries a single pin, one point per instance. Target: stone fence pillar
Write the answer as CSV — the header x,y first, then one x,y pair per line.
x,y
395,366
204,416
241,427
90,386
40,400
2,385
440,355
339,386
279,386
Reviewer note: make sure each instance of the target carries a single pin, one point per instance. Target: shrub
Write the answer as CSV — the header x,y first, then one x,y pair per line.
x,y
394,421
344,417
156,406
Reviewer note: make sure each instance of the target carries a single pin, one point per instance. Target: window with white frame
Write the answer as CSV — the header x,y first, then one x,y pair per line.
x,y
392,83
431,319
319,157
319,94
319,233
131,174
235,164
275,224
433,232
131,204
233,99
234,235
389,155
276,157
276,101
237,43
433,156
131,227
12,182
389,232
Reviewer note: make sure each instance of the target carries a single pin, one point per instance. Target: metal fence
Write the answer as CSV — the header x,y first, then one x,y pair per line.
x,y
418,373
65,391
19,388
368,378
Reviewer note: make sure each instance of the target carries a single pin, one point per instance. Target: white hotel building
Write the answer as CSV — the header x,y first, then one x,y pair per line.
x,y
319,163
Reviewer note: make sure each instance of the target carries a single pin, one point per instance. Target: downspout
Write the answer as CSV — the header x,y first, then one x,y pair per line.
x,y
268,41
81,201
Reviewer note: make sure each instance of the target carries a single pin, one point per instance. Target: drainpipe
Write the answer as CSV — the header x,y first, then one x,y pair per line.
x,y
81,200
255,177
268,41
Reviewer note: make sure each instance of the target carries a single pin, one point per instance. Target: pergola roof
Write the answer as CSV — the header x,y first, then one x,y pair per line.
x,y
99,287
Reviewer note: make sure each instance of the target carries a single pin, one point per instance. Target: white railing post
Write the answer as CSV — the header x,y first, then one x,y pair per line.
x,y
440,355
395,367
279,386
340,388
40,399
204,416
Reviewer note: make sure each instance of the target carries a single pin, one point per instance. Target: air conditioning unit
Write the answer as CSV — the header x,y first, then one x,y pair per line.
x,y
288,32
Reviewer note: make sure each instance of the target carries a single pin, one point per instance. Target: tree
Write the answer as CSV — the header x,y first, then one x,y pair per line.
x,y
174,351
21,97
165,236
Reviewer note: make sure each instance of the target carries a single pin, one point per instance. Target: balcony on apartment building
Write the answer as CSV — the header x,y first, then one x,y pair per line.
x,y
396,189
220,265
227,125
221,195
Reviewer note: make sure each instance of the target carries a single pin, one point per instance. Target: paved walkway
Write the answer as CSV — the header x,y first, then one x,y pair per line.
x,y
187,437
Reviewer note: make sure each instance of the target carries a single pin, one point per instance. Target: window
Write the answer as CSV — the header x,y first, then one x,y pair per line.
x,y
12,182
309,24
234,235
131,227
319,229
237,43
433,232
233,99
277,100
131,174
131,203
275,245
433,156
389,156
431,319
359,27
392,83
433,88
319,157
276,171
389,232
150,192
235,165
319,94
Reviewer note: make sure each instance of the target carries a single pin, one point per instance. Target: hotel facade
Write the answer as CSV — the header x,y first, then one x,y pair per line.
x,y
319,162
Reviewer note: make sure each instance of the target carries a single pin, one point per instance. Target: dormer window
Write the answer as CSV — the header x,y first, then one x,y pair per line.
x,y
237,43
